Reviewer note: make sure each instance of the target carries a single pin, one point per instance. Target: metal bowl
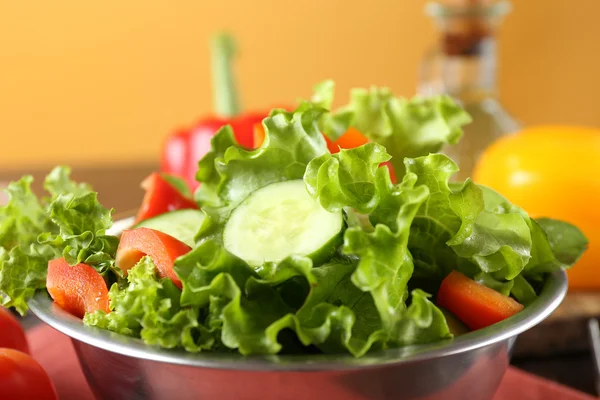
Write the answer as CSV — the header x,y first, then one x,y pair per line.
x,y
470,366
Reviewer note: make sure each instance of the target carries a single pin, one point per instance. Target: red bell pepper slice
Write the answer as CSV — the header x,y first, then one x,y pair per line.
x,y
350,139
476,305
162,248
161,197
76,289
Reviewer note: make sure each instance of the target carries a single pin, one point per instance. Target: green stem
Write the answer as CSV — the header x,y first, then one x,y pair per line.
x,y
223,50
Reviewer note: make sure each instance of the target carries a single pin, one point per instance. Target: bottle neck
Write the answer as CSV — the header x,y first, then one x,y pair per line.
x,y
471,76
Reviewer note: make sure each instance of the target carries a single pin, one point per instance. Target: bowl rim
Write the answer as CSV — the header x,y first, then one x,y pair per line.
x,y
553,292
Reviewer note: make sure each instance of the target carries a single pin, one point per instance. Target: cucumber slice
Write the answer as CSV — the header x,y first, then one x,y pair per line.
x,y
181,224
280,220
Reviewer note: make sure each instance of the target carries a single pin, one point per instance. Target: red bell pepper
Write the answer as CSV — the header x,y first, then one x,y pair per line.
x,y
76,289
161,197
476,305
162,248
182,150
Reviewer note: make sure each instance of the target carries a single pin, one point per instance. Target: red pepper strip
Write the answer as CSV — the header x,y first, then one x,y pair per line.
x,y
162,248
476,305
182,150
76,289
161,197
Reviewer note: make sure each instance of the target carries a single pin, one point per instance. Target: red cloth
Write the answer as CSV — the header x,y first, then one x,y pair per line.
x,y
55,353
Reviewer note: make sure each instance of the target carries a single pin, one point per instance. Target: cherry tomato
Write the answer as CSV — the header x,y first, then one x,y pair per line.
x,y
23,378
12,335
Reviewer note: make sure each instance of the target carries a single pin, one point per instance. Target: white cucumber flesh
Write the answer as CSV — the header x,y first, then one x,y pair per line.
x,y
280,220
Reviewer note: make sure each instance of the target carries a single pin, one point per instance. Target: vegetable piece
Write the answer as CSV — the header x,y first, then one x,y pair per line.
x,y
230,173
181,224
162,248
406,128
149,308
281,220
21,377
385,264
477,306
161,197
347,178
455,326
183,149
350,139
76,289
546,171
12,335
71,223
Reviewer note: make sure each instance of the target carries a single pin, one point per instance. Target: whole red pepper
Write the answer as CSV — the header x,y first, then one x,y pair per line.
x,y
183,149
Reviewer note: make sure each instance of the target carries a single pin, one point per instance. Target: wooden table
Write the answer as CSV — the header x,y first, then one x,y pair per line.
x,y
557,349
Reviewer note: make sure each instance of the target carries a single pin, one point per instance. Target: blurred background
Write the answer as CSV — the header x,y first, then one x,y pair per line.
x,y
88,83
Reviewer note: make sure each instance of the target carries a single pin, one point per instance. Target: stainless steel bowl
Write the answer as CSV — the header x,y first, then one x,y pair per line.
x,y
470,366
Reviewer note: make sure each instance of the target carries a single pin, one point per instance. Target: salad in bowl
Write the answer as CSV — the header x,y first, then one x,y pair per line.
x,y
338,232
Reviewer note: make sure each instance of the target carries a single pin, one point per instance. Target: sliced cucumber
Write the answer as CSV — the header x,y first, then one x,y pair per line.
x,y
280,220
181,224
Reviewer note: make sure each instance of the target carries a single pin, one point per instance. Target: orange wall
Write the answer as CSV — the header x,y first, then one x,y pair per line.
x,y
95,81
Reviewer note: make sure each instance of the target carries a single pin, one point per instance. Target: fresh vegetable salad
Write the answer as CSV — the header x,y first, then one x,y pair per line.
x,y
340,232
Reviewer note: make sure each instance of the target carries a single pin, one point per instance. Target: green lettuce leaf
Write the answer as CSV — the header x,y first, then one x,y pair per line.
x,y
249,309
199,268
385,264
481,236
23,270
149,308
347,178
422,322
334,123
58,182
522,290
406,128
70,223
557,245
82,224
23,218
229,173
178,183
23,262
207,194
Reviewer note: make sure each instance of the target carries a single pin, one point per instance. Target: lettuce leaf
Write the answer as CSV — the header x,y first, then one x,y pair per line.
x,y
334,123
385,264
149,308
82,224
557,245
230,173
70,223
454,229
23,217
58,182
405,127
347,178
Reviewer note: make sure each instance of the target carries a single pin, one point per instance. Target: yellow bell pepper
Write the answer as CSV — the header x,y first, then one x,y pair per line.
x,y
552,171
